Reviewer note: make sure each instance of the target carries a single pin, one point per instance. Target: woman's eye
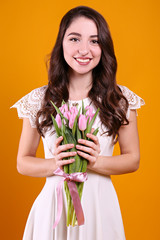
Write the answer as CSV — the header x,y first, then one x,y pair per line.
x,y
95,41
74,39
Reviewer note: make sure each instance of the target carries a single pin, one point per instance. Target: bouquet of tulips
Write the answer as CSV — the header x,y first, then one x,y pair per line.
x,y
73,124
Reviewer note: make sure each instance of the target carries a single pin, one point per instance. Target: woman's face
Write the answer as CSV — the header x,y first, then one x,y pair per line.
x,y
80,46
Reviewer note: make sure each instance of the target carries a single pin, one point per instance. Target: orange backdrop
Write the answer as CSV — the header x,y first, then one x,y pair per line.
x,y
28,33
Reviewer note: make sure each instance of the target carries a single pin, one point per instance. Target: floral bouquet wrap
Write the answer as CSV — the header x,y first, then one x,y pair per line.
x,y
74,124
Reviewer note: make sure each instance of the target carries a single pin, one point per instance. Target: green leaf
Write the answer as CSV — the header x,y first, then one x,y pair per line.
x,y
89,126
70,138
75,166
74,126
58,111
63,102
95,131
66,168
68,106
84,165
63,133
75,123
79,136
83,107
56,126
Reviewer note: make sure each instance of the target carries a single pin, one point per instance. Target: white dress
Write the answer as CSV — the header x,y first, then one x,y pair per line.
x,y
103,220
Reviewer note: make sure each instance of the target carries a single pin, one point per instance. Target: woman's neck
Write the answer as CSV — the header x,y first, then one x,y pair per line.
x,y
79,86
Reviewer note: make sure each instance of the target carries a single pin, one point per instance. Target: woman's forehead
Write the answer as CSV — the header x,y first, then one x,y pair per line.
x,y
82,25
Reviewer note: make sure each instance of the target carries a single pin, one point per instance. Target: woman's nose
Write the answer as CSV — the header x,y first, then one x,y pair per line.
x,y
83,48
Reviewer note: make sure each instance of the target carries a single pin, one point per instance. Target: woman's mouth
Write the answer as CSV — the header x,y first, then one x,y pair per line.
x,y
83,61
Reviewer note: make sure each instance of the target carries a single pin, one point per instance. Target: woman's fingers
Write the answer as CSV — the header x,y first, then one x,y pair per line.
x,y
65,155
61,148
94,145
87,156
61,152
86,143
58,141
60,158
89,149
86,149
64,162
92,130
65,147
93,138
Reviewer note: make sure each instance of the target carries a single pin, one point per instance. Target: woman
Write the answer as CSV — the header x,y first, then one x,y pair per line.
x,y
82,66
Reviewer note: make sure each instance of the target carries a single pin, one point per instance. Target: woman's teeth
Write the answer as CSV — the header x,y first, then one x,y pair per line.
x,y
83,60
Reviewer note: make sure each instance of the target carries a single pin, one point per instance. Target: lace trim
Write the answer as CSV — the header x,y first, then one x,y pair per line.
x,y
29,105
133,99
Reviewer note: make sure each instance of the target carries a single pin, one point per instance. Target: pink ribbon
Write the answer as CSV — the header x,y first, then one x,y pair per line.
x,y
71,179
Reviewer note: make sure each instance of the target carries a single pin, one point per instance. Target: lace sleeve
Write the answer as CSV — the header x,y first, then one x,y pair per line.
x,y
29,105
134,100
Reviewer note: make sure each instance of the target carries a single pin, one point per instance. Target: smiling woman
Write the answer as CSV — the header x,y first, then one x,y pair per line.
x,y
81,48
82,67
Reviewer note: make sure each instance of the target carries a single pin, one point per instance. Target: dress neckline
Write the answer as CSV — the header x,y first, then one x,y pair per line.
x,y
86,101
78,101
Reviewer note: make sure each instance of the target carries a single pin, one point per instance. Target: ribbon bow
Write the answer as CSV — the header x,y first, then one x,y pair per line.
x,y
71,179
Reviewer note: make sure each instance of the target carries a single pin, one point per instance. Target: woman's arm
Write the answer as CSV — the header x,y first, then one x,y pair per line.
x,y
27,162
129,159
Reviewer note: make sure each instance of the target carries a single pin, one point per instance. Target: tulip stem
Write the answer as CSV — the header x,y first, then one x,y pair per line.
x,y
83,135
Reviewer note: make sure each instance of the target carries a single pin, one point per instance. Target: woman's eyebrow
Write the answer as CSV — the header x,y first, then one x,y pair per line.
x,y
79,35
74,33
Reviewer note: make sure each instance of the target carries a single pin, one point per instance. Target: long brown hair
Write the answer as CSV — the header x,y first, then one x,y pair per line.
x,y
104,93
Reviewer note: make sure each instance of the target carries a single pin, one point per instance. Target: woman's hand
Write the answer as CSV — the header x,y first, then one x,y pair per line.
x,y
90,149
60,152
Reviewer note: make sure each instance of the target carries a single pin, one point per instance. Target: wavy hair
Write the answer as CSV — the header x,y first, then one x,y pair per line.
x,y
105,93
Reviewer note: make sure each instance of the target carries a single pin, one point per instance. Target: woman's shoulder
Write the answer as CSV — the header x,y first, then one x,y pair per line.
x,y
37,93
133,99
30,104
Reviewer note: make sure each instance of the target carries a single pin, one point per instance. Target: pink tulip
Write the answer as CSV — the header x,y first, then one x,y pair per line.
x,y
61,109
82,122
74,110
66,115
89,113
71,120
58,120
64,108
90,118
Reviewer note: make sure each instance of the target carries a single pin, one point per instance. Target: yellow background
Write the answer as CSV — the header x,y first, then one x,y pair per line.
x,y
28,33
